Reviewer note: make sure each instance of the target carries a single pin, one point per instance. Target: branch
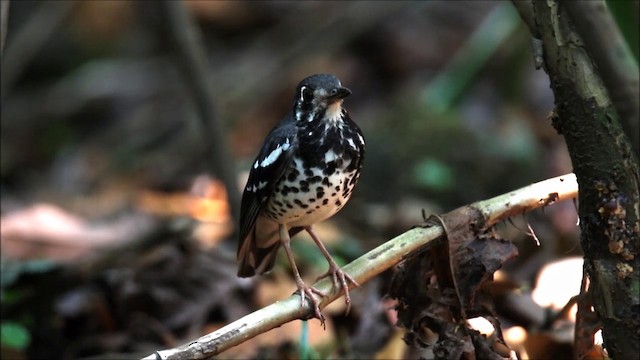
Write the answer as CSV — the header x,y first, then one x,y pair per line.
x,y
371,264
613,58
187,42
525,9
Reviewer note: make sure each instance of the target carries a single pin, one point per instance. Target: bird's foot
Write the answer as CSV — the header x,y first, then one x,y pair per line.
x,y
340,278
309,291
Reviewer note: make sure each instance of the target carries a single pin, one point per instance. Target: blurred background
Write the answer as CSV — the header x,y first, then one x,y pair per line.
x,y
117,232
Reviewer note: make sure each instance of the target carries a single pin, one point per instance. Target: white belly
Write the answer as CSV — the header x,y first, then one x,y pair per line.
x,y
305,200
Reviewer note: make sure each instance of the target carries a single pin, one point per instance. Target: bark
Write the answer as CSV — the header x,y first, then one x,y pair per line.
x,y
607,172
614,60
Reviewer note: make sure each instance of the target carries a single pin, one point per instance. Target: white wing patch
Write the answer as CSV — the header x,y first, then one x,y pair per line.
x,y
253,188
352,144
275,154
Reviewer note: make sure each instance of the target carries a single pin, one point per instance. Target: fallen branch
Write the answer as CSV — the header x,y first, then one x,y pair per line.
x,y
369,265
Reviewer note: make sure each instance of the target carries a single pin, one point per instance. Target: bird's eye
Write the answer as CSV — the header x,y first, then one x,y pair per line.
x,y
306,94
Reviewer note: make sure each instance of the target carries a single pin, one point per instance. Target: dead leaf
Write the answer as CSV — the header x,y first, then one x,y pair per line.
x,y
440,288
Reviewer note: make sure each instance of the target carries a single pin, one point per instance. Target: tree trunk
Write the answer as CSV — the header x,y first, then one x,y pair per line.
x,y
607,173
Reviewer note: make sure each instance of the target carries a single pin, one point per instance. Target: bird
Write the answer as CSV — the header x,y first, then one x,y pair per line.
x,y
305,173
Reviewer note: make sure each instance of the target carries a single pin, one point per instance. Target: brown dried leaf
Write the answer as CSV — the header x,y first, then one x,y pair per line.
x,y
473,256
438,289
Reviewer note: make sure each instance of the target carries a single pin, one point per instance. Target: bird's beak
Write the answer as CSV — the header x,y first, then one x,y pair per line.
x,y
338,93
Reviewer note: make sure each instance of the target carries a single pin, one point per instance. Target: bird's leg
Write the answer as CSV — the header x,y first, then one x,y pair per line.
x,y
338,276
302,287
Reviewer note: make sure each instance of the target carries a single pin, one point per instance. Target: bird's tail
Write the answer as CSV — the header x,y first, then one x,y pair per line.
x,y
257,254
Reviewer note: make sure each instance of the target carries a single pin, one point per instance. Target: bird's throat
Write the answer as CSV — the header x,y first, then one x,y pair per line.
x,y
333,114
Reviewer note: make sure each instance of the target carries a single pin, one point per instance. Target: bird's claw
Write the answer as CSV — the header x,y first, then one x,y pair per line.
x,y
310,291
340,278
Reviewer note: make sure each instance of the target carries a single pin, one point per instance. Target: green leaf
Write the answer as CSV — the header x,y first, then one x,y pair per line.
x,y
14,335
434,174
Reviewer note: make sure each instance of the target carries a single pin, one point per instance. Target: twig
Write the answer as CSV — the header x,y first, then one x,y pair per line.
x,y
192,62
368,266
613,58
530,232
533,234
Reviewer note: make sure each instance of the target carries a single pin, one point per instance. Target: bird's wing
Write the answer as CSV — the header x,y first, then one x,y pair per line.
x,y
266,171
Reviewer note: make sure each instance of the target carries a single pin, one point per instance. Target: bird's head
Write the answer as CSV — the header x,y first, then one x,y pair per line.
x,y
319,98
